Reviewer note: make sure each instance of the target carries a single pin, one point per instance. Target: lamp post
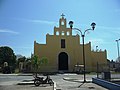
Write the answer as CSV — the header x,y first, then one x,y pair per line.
x,y
83,36
96,48
118,46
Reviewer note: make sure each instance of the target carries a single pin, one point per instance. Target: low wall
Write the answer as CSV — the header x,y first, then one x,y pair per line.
x,y
106,84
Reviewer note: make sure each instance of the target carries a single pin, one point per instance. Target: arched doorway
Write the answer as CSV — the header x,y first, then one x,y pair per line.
x,y
63,61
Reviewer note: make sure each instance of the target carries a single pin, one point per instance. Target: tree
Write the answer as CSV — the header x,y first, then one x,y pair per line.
x,y
21,59
35,62
28,65
7,55
43,61
38,62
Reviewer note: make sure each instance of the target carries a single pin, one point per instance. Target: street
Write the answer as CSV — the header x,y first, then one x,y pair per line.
x,y
24,87
63,82
10,81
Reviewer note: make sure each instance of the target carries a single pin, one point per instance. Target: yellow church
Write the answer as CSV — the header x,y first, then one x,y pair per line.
x,y
64,51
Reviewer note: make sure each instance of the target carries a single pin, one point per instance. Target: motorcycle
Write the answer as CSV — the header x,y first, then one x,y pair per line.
x,y
41,80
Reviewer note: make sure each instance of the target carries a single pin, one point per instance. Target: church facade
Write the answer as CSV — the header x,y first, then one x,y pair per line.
x,y
64,51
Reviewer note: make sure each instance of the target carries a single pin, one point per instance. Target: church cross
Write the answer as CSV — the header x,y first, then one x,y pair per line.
x,y
62,15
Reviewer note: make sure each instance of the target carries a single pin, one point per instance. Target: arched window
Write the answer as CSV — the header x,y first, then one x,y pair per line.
x,y
62,23
57,33
63,33
68,33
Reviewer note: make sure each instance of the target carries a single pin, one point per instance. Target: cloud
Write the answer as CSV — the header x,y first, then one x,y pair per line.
x,y
36,21
43,22
24,47
8,31
109,30
97,41
117,31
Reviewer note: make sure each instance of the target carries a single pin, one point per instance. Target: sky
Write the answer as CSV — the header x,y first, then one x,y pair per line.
x,y
23,21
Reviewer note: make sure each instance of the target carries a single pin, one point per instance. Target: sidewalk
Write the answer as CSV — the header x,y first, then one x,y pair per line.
x,y
84,86
77,80
19,74
70,84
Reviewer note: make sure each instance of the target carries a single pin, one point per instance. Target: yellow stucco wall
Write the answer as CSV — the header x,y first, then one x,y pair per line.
x,y
73,49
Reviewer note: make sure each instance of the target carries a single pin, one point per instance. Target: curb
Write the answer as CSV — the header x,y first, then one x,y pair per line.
x,y
25,75
54,86
25,83
16,74
8,74
76,80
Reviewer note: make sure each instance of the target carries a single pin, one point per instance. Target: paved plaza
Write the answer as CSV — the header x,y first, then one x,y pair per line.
x,y
25,87
62,82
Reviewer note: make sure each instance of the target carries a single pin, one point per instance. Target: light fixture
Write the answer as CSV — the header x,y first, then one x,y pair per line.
x,y
93,25
71,24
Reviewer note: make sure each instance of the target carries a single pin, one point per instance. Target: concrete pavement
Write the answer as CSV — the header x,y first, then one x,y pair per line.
x,y
62,82
83,86
25,87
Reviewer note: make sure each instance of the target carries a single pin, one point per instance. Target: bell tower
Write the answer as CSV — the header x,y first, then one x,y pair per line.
x,y
62,22
62,29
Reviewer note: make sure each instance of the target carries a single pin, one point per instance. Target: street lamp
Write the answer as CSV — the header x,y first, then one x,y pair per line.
x,y
118,46
96,48
82,35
